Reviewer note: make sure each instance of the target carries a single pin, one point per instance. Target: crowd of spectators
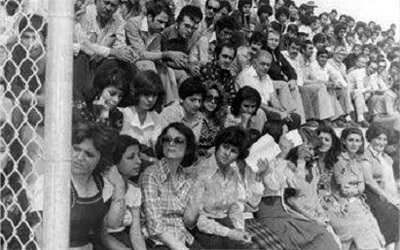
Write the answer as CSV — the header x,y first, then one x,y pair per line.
x,y
216,124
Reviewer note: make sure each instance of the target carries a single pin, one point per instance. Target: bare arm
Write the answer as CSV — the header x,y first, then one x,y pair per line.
x,y
135,234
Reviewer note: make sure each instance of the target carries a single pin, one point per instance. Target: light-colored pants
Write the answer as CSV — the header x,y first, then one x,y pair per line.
x,y
314,97
290,99
360,107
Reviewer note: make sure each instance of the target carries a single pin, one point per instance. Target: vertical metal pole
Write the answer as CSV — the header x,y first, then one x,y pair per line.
x,y
58,121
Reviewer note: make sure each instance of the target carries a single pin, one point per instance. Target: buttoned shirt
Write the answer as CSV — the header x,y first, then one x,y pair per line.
x,y
219,194
139,37
316,72
164,201
374,82
296,65
249,77
100,40
145,133
175,113
356,79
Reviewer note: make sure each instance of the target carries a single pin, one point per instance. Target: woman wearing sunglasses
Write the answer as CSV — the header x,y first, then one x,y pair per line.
x,y
213,110
165,187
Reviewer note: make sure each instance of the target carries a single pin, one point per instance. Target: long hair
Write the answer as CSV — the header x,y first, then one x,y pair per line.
x,y
331,157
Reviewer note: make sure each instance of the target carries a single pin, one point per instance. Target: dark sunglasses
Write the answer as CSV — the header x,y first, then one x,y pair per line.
x,y
177,140
215,10
215,99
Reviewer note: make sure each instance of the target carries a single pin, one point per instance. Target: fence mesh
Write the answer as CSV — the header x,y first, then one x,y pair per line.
x,y
22,75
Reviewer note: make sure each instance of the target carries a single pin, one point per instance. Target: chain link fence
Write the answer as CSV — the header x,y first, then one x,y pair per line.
x,y
23,36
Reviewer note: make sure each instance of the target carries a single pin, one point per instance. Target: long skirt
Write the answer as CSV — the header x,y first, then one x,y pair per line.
x,y
386,214
295,233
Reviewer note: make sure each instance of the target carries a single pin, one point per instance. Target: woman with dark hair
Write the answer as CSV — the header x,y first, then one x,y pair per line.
x,y
215,207
126,158
140,119
349,215
214,112
381,189
289,207
110,84
165,187
245,110
328,153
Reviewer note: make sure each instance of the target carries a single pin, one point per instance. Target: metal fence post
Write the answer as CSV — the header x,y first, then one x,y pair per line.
x,y
58,122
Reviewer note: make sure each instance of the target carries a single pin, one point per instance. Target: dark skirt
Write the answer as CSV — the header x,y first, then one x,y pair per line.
x,y
209,241
386,214
295,233
262,238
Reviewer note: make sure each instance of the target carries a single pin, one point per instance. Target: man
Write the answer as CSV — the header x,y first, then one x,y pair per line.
x,y
226,30
218,69
264,12
256,76
212,8
100,32
143,35
358,91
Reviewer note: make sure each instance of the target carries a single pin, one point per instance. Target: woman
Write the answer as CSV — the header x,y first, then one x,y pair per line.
x,y
110,84
299,227
215,200
165,187
213,110
328,153
349,215
245,110
140,119
382,195
126,158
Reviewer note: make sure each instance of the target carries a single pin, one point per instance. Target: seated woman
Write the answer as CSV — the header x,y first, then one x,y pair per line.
x,y
245,111
126,158
213,109
381,190
349,215
140,119
215,199
165,187
192,94
319,73
295,228
110,84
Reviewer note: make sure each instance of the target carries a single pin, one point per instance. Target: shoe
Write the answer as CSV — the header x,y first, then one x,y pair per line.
x,y
363,124
351,123
311,124
339,124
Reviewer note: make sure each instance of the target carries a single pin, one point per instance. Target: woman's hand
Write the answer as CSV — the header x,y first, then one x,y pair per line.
x,y
263,166
285,145
115,178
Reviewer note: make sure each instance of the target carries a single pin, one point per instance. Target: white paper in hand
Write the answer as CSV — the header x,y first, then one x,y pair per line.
x,y
295,137
264,148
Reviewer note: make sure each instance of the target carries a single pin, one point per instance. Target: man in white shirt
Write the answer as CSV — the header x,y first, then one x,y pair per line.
x,y
358,92
256,76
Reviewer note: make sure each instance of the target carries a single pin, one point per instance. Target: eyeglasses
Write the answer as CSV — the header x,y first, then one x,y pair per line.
x,y
177,140
214,99
215,10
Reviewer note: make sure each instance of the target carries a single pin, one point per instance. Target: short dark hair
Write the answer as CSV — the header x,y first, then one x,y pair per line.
x,y
319,38
190,87
154,9
322,52
352,130
305,44
225,4
226,22
191,150
245,93
339,27
191,11
147,82
104,139
33,23
257,37
218,49
242,3
264,9
236,137
293,28
282,11
375,130
123,142
294,40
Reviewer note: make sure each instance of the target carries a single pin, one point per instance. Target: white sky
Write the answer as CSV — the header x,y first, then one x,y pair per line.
x,y
384,12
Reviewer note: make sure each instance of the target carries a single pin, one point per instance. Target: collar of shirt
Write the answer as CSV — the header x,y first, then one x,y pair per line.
x,y
358,158
166,172
133,117
375,153
144,27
